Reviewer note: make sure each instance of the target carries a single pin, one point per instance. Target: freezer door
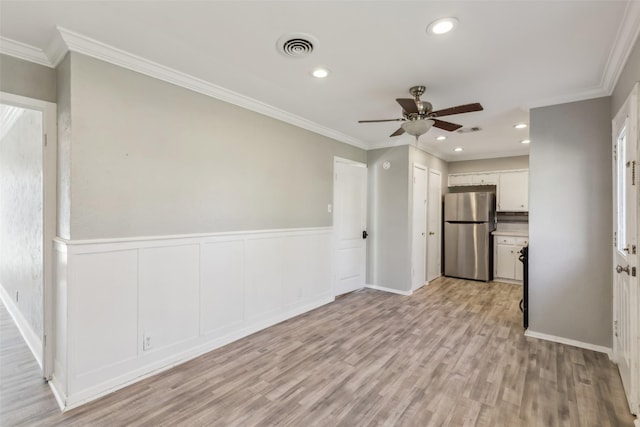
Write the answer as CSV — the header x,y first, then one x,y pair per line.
x,y
467,251
475,207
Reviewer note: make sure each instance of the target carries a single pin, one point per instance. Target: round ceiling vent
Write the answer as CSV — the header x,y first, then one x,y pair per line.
x,y
297,45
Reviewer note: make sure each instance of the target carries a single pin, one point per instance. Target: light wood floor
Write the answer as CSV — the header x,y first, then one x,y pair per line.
x,y
453,354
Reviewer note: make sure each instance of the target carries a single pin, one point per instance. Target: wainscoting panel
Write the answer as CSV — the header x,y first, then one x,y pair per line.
x,y
221,286
107,302
126,309
264,277
169,282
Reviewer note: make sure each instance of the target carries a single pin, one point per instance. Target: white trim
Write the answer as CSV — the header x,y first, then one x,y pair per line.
x,y
143,239
390,290
350,162
636,422
87,46
56,389
627,35
34,342
587,346
24,51
174,360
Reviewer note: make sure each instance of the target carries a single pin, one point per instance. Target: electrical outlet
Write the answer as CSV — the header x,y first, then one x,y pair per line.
x,y
146,343
329,208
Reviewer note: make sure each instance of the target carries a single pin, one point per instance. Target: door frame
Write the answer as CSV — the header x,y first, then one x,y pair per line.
x,y
630,109
414,281
438,222
49,219
353,163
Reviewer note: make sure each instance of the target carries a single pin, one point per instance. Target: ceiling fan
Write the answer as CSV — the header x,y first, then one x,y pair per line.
x,y
418,116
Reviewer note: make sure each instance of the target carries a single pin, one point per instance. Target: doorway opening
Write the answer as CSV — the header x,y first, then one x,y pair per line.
x,y
28,219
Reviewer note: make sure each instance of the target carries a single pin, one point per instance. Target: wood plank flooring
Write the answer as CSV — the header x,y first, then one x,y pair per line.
x,y
453,354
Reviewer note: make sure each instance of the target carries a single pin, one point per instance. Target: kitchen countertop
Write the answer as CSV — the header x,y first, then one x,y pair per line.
x,y
515,233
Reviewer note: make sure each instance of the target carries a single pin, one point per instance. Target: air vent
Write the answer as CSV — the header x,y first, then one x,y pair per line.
x,y
297,45
469,130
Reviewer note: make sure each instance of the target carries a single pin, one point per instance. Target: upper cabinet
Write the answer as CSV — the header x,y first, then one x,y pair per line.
x,y
512,187
513,192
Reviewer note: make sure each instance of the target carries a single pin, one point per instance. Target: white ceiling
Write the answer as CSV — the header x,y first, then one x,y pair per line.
x,y
508,55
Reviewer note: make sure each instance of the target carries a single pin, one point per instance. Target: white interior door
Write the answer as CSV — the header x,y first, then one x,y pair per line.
x,y
434,226
419,227
625,280
349,222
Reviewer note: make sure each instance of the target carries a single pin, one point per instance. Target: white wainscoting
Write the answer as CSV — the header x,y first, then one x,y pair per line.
x,y
126,309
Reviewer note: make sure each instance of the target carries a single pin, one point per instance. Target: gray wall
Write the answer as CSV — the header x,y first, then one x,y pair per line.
x,y
389,213
21,215
27,79
630,74
570,221
498,164
150,158
389,260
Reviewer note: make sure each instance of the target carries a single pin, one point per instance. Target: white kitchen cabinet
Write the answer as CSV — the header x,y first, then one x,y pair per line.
x,y
456,180
507,266
513,192
484,179
463,179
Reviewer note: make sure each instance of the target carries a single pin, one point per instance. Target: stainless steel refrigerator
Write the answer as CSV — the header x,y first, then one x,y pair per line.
x,y
469,219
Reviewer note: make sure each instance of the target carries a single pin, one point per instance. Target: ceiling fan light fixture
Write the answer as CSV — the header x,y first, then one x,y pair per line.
x,y
520,126
457,149
417,127
442,26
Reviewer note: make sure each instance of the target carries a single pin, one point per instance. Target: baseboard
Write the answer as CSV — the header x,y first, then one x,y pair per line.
x,y
34,342
587,346
158,366
390,290
57,393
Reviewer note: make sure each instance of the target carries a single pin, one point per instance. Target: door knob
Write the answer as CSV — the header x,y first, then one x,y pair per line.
x,y
431,233
620,269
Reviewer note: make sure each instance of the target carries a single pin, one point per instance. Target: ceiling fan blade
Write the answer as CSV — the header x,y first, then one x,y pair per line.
x,y
467,108
383,120
400,131
445,125
408,105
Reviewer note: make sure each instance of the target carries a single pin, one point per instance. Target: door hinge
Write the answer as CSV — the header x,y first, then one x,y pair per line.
x,y
615,238
633,172
633,271
615,152
633,249
615,328
45,140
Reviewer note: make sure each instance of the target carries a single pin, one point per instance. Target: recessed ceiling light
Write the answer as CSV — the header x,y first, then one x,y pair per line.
x,y
457,149
520,126
441,138
525,141
442,26
320,73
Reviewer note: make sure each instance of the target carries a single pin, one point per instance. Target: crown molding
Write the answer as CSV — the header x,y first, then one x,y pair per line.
x,y
24,51
622,46
81,44
596,92
56,50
